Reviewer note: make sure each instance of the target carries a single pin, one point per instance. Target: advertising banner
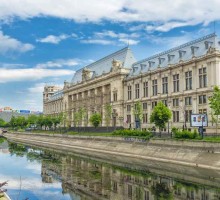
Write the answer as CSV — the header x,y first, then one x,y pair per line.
x,y
198,120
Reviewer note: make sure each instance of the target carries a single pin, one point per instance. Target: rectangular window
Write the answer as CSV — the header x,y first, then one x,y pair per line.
x,y
175,102
188,76
154,87
188,101
146,195
202,99
128,108
164,101
145,88
202,77
129,191
176,83
115,96
144,106
154,103
187,115
129,92
137,91
175,116
165,85
145,118
202,111
128,118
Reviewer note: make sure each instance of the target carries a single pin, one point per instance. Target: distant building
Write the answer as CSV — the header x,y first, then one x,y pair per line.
x,y
182,78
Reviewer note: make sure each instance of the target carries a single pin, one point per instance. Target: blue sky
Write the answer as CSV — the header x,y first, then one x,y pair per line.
x,y
45,41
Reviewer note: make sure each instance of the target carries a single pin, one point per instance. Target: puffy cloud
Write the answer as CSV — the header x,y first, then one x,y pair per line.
x,y
97,41
53,39
12,45
176,13
30,74
58,63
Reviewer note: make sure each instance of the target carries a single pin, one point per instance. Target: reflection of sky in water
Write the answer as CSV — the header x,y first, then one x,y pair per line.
x,y
32,187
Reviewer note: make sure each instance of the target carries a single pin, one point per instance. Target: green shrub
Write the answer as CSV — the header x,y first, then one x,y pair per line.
x,y
133,133
184,134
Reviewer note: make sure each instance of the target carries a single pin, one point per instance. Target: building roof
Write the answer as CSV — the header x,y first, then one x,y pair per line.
x,y
104,65
57,95
183,52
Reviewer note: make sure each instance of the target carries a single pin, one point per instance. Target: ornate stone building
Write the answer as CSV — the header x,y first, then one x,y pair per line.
x,y
182,78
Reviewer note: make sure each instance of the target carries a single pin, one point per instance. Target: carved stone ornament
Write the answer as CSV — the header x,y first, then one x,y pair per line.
x,y
116,65
86,74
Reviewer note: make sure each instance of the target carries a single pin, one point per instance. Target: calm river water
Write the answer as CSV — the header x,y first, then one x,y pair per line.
x,y
34,173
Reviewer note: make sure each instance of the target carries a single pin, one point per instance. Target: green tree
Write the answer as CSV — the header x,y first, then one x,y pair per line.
x,y
138,112
12,122
108,114
56,120
21,121
95,119
214,102
32,119
2,123
40,121
48,122
160,115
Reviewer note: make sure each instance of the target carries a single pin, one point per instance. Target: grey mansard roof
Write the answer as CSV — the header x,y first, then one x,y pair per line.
x,y
184,52
104,65
57,95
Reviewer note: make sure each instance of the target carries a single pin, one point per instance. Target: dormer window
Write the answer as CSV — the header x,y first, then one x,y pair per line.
x,y
170,57
151,64
208,44
193,50
135,69
143,66
181,54
161,60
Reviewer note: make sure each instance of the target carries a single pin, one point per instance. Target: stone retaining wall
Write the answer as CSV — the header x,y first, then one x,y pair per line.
x,y
196,154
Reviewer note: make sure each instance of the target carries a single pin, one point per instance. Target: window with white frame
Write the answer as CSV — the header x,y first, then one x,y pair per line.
x,y
145,89
165,85
128,108
176,83
145,106
188,78
175,116
154,87
175,102
137,91
202,77
145,118
129,92
202,99
188,101
154,103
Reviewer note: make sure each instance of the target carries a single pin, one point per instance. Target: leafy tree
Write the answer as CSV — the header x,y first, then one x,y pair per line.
x,y
2,123
32,119
13,122
214,103
108,114
21,121
40,121
48,122
95,119
138,112
56,120
160,115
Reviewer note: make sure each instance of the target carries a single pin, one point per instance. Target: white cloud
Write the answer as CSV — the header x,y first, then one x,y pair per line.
x,y
129,41
176,13
30,74
56,39
58,63
97,41
12,45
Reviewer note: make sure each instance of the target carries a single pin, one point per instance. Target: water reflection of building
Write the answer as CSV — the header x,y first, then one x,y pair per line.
x,y
93,180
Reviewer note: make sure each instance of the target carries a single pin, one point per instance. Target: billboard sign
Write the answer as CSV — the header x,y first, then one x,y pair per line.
x,y
25,111
198,120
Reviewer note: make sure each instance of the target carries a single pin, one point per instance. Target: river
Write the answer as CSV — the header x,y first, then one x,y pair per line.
x,y
33,173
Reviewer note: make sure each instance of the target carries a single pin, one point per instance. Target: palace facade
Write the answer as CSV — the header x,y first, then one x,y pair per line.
x,y
182,78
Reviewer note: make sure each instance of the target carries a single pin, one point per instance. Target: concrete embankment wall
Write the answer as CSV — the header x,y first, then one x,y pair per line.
x,y
197,154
